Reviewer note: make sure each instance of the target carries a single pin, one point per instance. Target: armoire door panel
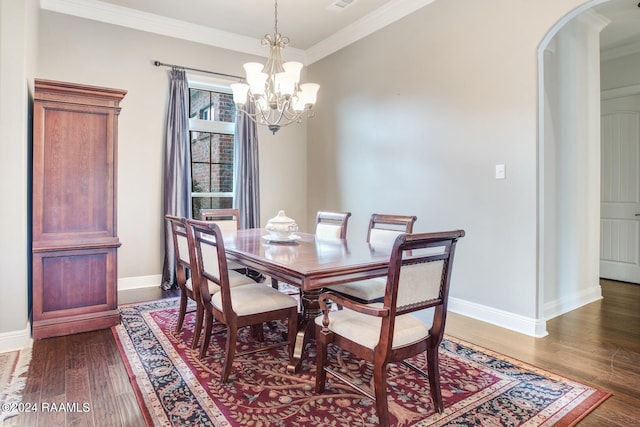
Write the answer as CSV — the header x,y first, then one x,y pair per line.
x,y
74,281
78,284
78,170
74,193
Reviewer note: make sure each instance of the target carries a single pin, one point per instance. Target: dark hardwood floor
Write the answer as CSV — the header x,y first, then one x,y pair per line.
x,y
85,370
598,344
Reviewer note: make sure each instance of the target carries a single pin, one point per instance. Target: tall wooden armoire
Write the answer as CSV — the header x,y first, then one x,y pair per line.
x,y
74,208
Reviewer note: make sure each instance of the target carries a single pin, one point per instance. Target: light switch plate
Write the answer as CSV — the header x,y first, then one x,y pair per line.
x,y
501,172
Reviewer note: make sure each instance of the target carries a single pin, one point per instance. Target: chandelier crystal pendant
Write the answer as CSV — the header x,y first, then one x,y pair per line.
x,y
274,89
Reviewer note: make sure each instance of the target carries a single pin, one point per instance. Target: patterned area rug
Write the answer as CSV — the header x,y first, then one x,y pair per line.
x,y
13,367
479,387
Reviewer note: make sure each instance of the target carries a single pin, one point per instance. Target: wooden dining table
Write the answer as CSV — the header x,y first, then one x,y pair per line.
x,y
308,263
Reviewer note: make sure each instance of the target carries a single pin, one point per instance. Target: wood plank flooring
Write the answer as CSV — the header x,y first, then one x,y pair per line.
x,y
598,344
86,371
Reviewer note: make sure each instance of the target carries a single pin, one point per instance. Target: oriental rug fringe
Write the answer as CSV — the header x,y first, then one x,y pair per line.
x,y
13,368
479,387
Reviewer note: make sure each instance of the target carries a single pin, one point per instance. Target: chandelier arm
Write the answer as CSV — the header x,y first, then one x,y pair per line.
x,y
263,116
251,116
262,119
279,114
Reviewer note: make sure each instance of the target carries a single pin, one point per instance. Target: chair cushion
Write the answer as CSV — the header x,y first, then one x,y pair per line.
x,y
213,288
239,279
234,265
365,330
235,279
255,298
365,290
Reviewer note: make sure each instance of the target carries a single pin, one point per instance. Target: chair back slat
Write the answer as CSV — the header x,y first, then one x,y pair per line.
x,y
184,257
211,262
328,231
209,252
380,238
332,225
384,229
179,238
227,226
227,219
419,277
182,246
419,285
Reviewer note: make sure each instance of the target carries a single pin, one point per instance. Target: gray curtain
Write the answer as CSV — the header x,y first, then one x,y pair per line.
x,y
177,168
247,180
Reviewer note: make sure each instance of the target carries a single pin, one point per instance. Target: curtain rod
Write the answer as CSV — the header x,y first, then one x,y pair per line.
x,y
160,64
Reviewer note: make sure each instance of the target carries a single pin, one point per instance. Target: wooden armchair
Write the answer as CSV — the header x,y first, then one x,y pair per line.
x,y
383,230
418,278
184,256
236,307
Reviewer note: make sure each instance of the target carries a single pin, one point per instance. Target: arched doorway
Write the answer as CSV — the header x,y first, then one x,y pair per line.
x,y
569,162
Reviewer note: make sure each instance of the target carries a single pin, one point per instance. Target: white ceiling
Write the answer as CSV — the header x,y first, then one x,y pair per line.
x,y
305,22
316,28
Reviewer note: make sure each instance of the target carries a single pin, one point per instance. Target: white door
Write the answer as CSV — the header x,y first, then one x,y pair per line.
x,y
620,189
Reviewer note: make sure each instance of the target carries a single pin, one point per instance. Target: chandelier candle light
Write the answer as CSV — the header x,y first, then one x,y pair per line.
x,y
274,89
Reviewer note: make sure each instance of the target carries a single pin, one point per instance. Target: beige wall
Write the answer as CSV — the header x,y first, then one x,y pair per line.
x,y
18,29
79,50
413,120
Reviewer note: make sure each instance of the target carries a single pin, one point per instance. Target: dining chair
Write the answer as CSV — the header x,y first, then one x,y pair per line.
x,y
418,279
382,232
184,267
235,307
228,219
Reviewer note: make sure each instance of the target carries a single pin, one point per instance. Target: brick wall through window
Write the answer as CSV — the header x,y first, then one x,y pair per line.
x,y
211,153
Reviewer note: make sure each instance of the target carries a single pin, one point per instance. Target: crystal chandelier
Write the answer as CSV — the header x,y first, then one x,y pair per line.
x,y
274,89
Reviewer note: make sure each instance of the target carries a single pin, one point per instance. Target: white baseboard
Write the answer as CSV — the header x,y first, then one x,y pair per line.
x,y
15,340
515,322
138,282
571,302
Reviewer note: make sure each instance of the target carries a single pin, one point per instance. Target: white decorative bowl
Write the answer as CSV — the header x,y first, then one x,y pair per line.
x,y
281,226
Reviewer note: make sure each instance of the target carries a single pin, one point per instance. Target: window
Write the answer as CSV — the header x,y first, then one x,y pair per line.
x,y
212,115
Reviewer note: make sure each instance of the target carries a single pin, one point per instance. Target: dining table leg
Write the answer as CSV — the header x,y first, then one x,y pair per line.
x,y
306,328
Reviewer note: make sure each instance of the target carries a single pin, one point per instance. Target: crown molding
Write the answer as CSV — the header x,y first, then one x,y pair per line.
x,y
619,52
620,92
376,20
125,17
